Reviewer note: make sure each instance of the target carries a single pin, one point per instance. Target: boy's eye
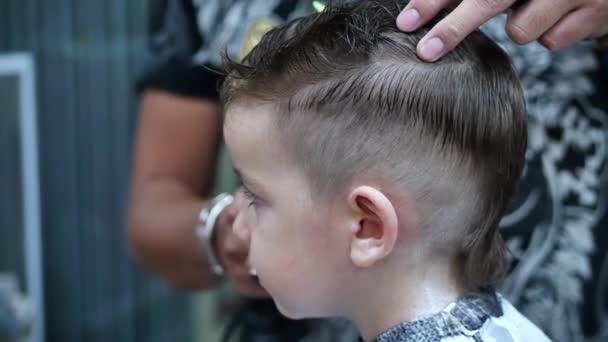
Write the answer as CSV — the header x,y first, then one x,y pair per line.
x,y
251,197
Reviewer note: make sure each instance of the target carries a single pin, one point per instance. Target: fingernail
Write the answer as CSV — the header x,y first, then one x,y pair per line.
x,y
408,20
431,49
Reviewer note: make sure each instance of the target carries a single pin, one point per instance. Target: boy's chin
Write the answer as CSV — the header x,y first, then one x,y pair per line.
x,y
287,313
292,313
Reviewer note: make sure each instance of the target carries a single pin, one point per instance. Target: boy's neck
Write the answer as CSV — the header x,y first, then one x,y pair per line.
x,y
412,293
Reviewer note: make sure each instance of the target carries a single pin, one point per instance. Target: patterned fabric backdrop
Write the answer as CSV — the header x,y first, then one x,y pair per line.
x,y
559,258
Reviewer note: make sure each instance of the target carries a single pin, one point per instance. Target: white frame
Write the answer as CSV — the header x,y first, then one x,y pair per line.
x,y
22,66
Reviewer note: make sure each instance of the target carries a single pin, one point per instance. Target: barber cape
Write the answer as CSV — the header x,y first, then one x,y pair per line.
x,y
483,317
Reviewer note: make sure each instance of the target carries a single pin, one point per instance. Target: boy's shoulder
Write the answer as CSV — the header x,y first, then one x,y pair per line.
x,y
512,325
485,316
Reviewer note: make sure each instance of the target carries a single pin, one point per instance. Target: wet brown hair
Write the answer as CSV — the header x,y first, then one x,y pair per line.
x,y
352,98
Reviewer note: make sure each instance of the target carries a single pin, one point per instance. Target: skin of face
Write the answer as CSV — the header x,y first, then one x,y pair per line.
x,y
358,254
297,245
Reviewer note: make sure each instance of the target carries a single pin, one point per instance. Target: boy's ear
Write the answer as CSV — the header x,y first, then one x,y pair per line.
x,y
375,228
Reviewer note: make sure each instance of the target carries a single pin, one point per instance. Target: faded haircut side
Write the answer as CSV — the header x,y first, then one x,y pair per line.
x,y
352,98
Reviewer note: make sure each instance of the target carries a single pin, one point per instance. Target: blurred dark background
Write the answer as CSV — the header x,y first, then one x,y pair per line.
x,y
86,55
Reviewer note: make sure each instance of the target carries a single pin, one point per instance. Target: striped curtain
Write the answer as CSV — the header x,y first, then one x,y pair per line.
x,y
87,54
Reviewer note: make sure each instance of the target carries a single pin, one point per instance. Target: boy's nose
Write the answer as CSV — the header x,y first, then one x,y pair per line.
x,y
239,227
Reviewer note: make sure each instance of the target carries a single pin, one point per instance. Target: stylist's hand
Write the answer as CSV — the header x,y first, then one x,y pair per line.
x,y
233,252
554,23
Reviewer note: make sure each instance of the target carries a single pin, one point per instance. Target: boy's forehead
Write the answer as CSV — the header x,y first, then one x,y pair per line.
x,y
248,115
252,140
249,126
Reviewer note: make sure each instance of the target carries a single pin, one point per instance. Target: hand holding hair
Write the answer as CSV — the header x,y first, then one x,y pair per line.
x,y
555,24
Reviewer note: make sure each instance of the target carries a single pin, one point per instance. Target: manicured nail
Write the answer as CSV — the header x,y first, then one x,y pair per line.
x,y
431,49
408,20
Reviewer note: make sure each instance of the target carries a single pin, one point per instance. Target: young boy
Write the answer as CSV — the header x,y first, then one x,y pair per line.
x,y
374,182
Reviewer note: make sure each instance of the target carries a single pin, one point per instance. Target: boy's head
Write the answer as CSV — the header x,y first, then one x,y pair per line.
x,y
355,153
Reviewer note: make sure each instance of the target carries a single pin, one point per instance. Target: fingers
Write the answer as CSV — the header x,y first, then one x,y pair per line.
x,y
451,30
569,30
555,23
534,18
419,12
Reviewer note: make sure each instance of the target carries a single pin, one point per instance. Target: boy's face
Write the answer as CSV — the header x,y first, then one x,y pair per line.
x,y
300,260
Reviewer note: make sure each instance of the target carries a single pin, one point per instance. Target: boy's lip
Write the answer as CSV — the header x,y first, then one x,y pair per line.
x,y
251,270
